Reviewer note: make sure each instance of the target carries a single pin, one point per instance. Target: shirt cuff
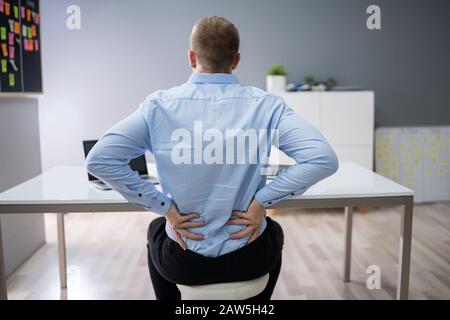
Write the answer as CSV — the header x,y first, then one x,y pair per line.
x,y
264,198
160,205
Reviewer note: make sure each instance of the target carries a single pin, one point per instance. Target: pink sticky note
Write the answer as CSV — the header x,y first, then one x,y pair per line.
x,y
22,10
25,44
2,6
38,18
12,52
11,39
36,45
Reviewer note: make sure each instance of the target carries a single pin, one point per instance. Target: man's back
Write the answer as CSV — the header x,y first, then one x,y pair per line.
x,y
211,138
197,132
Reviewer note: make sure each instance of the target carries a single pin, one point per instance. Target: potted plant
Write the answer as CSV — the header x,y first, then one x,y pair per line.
x,y
309,80
276,78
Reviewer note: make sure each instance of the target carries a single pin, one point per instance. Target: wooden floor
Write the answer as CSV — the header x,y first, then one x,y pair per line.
x,y
107,256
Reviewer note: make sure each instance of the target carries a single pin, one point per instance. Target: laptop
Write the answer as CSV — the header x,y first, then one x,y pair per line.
x,y
139,164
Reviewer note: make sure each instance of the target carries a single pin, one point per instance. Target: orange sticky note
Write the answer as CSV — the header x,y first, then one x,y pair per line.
x,y
28,15
4,49
7,8
33,31
17,27
31,45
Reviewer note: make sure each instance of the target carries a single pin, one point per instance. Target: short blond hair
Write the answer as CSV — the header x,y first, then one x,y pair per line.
x,y
215,41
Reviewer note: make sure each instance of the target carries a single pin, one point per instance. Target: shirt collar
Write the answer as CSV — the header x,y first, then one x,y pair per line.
x,y
223,78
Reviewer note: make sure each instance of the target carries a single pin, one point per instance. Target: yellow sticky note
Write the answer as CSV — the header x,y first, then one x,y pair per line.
x,y
12,80
3,33
4,66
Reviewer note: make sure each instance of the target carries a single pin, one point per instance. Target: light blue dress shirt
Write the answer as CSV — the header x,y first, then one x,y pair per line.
x,y
218,102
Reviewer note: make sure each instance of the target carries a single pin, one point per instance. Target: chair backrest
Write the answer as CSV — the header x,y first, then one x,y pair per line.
x,y
225,291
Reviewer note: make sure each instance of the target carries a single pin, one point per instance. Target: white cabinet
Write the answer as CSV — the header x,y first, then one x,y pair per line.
x,y
346,119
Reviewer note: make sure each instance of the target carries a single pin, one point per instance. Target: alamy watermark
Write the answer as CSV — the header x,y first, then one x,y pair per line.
x,y
228,146
73,21
374,20
374,280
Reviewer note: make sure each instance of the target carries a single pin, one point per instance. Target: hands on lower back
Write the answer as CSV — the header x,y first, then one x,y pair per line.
x,y
252,219
181,223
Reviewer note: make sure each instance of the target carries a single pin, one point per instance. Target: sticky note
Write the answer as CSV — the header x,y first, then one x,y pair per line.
x,y
11,25
22,11
31,45
28,15
25,44
7,8
4,66
16,27
3,33
34,16
24,31
33,31
16,12
29,32
2,6
12,52
13,64
12,80
38,18
4,49
11,39
36,45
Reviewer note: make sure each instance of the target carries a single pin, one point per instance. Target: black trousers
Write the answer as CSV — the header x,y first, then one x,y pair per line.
x,y
170,265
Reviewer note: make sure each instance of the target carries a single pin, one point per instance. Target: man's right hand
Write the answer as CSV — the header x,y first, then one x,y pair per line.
x,y
180,224
252,220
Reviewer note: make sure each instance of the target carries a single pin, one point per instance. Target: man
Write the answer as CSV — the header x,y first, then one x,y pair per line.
x,y
214,196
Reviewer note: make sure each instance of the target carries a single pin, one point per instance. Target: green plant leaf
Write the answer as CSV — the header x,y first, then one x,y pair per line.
x,y
277,70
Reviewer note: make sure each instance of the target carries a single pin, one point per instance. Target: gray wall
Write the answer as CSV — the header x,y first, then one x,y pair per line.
x,y
127,49
20,160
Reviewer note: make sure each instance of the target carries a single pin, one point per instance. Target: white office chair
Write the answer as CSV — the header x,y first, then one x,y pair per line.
x,y
225,291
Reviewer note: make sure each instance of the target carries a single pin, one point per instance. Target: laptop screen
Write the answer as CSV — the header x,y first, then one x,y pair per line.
x,y
139,164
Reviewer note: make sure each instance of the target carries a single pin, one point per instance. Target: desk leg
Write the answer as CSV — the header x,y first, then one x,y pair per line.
x,y
348,242
405,250
62,251
3,287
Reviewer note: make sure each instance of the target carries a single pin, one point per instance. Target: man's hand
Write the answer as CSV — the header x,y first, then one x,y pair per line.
x,y
181,223
253,219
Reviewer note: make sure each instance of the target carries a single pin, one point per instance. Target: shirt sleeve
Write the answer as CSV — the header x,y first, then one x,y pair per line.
x,y
109,161
314,157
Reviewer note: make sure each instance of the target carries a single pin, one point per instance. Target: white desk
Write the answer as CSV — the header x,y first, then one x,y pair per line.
x,y
65,189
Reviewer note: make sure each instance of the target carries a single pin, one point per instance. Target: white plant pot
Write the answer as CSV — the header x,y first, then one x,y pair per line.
x,y
276,83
